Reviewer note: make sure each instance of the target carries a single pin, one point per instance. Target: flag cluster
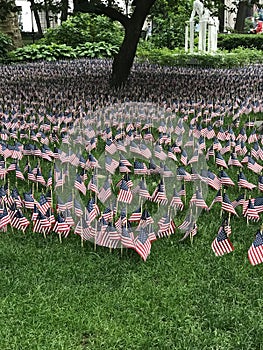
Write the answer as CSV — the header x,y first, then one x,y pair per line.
x,y
72,163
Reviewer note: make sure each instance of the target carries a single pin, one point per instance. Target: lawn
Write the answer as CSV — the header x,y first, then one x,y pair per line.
x,y
62,296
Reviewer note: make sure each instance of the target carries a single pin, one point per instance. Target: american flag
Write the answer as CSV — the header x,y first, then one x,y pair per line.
x,y
105,191
127,238
125,194
227,205
40,178
61,226
159,153
143,192
78,208
255,252
183,158
145,152
139,168
198,200
159,195
43,204
233,161
111,164
93,184
29,201
4,218
41,224
258,203
242,182
19,173
221,244
254,166
143,244
107,214
251,212
79,185
19,221
225,179
136,215
123,168
260,183
213,181
92,210
124,160
239,200
220,161
176,201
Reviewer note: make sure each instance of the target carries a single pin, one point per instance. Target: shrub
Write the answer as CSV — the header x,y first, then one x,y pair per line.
x,y
96,50
169,32
84,28
221,59
5,45
36,52
233,41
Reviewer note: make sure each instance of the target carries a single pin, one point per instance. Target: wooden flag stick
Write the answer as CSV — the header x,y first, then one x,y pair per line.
x,y
81,234
191,236
5,170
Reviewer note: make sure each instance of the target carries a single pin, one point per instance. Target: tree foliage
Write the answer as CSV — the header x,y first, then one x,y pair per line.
x,y
169,18
84,28
6,7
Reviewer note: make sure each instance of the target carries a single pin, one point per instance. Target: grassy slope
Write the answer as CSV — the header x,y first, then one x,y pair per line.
x,y
57,296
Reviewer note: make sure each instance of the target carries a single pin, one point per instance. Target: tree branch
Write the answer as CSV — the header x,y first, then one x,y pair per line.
x,y
100,9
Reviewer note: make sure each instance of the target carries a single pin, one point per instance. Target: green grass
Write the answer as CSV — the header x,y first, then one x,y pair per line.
x,y
62,296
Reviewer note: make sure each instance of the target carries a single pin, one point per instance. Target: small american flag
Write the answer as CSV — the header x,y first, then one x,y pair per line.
x,y
255,252
221,244
143,244
125,194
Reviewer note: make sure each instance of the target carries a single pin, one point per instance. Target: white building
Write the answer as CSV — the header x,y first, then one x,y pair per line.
x,y
28,24
27,20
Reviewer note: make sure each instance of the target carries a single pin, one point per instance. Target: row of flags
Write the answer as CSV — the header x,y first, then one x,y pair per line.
x,y
105,233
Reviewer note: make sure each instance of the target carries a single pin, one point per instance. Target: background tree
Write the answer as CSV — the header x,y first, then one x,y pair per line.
x,y
245,10
9,21
132,24
169,18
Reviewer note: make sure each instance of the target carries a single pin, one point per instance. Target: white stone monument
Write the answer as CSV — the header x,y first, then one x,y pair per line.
x,y
208,29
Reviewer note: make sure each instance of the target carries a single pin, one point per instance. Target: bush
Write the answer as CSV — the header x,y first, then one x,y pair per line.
x,y
169,32
233,41
5,45
37,52
84,28
221,59
96,50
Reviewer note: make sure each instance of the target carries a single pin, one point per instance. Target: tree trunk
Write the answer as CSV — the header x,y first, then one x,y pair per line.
x,y
47,14
10,26
243,11
123,61
221,16
36,15
64,12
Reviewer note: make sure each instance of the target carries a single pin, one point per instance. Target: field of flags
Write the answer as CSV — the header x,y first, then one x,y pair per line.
x,y
124,168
